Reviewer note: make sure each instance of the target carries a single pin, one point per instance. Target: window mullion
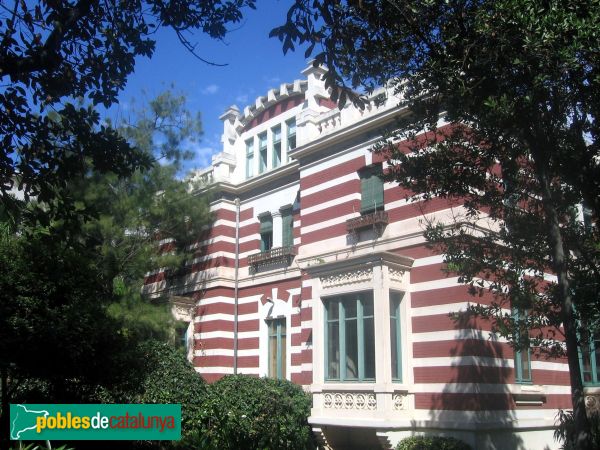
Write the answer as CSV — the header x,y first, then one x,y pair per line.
x,y
398,341
342,340
361,338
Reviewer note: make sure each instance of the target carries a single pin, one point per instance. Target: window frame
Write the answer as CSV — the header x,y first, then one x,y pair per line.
x,y
291,124
590,350
360,298
250,158
518,354
281,351
395,300
276,144
263,150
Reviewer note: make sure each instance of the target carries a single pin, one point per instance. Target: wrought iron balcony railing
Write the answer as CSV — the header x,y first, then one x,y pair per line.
x,y
378,220
272,256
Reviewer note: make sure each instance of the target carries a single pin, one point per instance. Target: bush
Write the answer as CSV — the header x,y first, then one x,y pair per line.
x,y
168,377
432,443
243,412
565,429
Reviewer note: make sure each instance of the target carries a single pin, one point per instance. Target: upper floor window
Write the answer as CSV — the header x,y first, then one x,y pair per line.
x,y
371,188
589,357
262,152
276,135
249,158
350,338
266,233
291,134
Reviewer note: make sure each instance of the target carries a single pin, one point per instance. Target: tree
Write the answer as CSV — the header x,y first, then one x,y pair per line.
x,y
53,53
524,76
72,317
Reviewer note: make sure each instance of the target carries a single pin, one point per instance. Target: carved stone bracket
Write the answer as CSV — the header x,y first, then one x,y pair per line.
x,y
592,403
396,274
350,400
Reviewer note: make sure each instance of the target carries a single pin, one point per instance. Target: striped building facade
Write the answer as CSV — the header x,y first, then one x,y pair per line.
x,y
325,271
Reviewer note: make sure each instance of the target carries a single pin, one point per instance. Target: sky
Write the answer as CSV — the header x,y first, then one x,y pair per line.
x,y
255,64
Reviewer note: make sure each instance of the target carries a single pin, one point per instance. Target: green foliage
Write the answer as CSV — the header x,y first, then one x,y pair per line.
x,y
523,75
166,376
431,443
56,55
565,431
243,412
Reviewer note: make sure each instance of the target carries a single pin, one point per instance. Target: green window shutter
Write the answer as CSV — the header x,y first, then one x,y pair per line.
x,y
371,186
287,228
266,233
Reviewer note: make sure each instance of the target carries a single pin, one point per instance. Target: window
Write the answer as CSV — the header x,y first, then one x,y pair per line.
x,y
276,131
249,158
291,134
262,152
371,188
266,233
395,336
522,356
287,224
589,357
277,348
350,338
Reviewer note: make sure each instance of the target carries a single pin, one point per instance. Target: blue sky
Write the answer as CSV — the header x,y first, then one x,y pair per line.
x,y
255,64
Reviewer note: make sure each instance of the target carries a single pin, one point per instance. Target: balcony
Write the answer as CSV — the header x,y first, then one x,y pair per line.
x,y
271,257
377,220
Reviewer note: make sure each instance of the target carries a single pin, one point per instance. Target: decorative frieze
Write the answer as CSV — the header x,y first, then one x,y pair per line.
x,y
345,278
350,400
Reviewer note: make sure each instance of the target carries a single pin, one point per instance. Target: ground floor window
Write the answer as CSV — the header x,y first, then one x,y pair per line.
x,y
350,337
589,357
523,354
277,348
395,336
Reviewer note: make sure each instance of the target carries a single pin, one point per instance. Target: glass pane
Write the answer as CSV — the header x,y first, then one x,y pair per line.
x,y
249,166
597,357
276,154
273,356
333,310
369,350
367,305
266,223
287,228
394,347
351,349
350,308
262,141
333,351
523,360
266,241
277,134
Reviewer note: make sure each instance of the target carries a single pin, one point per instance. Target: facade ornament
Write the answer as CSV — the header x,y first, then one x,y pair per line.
x,y
350,400
344,278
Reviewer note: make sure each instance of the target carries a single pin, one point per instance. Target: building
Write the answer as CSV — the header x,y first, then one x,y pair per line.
x,y
316,271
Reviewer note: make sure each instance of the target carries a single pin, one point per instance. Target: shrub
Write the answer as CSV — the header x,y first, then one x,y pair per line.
x,y
168,377
243,412
432,443
565,429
